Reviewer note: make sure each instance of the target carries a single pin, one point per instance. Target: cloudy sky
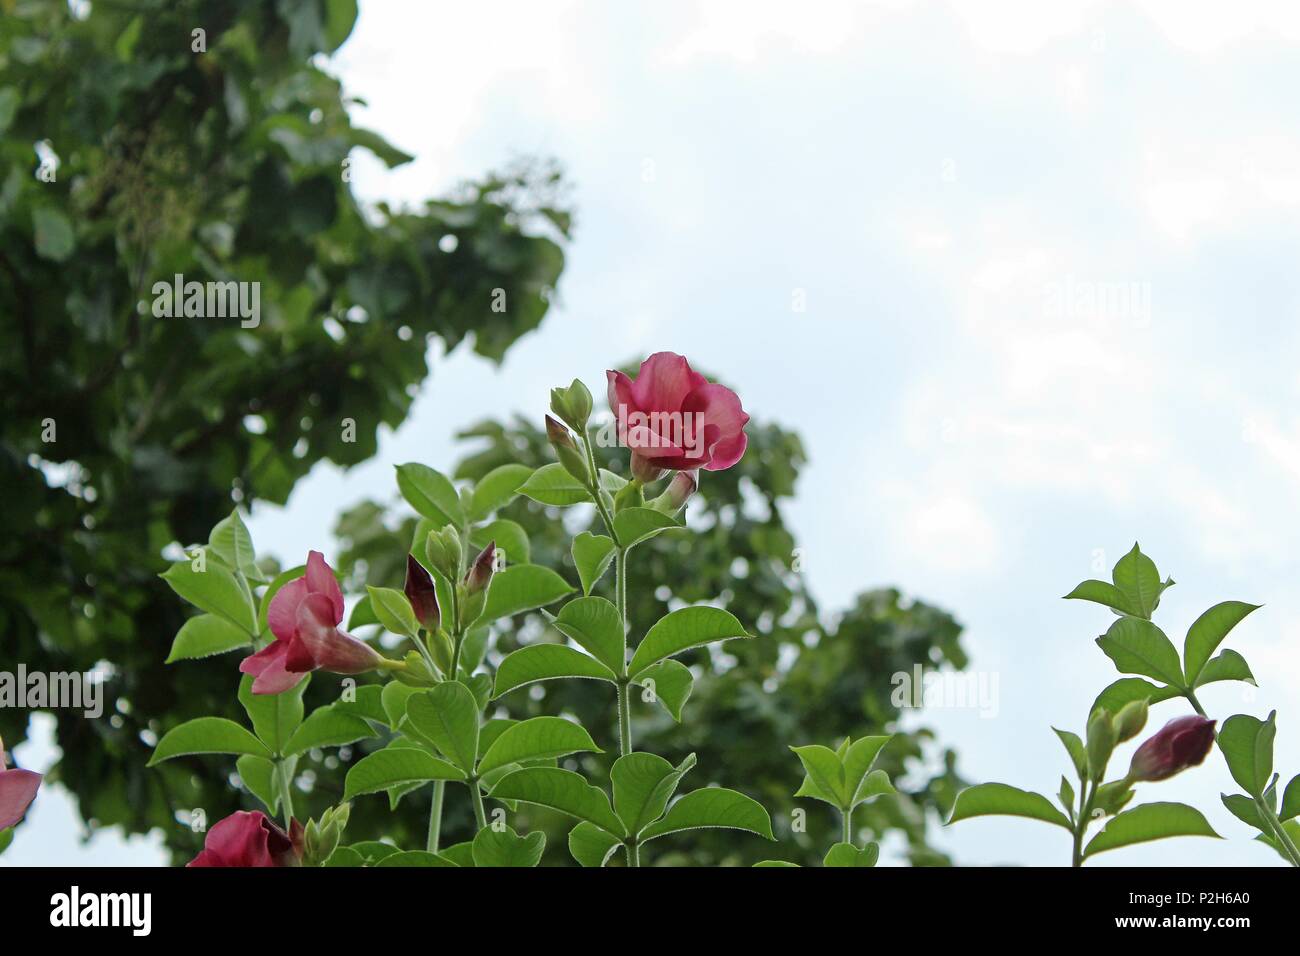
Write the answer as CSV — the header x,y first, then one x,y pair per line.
x,y
1021,274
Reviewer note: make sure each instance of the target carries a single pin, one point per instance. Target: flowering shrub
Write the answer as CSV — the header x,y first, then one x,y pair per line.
x,y
444,712
1139,648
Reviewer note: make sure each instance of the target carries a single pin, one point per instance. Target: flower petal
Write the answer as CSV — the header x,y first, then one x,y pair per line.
x,y
17,791
331,648
321,580
269,668
664,381
282,613
719,406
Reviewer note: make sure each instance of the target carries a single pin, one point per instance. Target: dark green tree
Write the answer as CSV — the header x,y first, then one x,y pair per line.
x,y
140,140
809,678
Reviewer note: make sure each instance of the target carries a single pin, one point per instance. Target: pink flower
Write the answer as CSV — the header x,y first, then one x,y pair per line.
x,y
17,791
1179,744
673,417
248,838
304,617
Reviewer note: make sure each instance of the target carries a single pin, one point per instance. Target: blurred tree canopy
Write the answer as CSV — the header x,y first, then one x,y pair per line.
x,y
144,139
808,678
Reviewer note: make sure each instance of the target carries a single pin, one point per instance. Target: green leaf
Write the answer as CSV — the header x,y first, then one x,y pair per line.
x,y
231,541
258,776
363,614
447,716
522,588
364,701
393,611
329,726
1244,809
340,15
1139,647
206,635
776,863
682,630
561,790
414,858
594,624
547,662
643,784
824,775
669,682
592,554
552,485
1207,632
208,735
1151,821
430,493
1290,800
497,489
858,762
536,739
345,856
394,698
1074,747
275,716
510,538
507,848
999,799
396,766
846,854
592,846
1226,665
1101,592
462,854
874,784
1136,577
1128,689
215,590
634,525
372,851
1247,745
712,807
54,237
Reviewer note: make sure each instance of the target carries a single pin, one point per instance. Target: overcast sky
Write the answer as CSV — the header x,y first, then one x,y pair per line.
x,y
1046,260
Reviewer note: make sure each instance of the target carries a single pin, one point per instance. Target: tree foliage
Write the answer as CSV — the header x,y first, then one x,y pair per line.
x,y
204,138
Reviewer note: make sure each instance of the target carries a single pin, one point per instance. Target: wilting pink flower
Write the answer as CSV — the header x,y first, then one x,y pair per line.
x,y
17,791
248,838
1179,744
304,617
422,594
673,417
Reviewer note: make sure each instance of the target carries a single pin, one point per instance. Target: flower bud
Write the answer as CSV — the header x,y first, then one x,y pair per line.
x,y
1130,720
573,460
422,595
1101,742
442,548
480,572
572,405
1179,744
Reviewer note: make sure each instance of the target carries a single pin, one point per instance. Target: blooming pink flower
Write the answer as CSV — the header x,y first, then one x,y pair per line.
x,y
673,417
1179,744
304,617
17,791
248,838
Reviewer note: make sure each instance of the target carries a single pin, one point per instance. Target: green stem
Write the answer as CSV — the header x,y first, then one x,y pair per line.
x,y
846,835
1269,815
633,853
286,793
624,719
1081,824
435,815
480,816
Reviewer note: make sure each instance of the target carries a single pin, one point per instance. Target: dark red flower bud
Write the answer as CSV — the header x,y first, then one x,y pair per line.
x,y
422,595
17,791
1179,744
249,839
